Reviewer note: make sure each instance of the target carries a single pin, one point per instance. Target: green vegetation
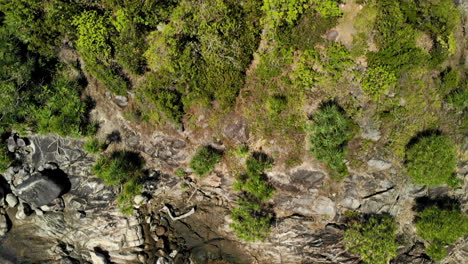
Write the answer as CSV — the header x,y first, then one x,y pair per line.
x,y
94,145
254,181
377,81
441,227
205,160
277,103
121,168
431,160
331,130
251,220
374,239
5,157
458,99
180,173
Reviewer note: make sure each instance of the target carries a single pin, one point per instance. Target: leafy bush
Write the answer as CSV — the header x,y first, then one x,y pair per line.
x,y
450,81
130,189
122,168
242,151
204,160
441,227
169,102
118,167
93,34
254,181
180,173
377,81
277,103
327,8
431,160
205,49
374,239
250,222
93,145
108,75
5,157
458,99
61,110
283,12
328,137
337,59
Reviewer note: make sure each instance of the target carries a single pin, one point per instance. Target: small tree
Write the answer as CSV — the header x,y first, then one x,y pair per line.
x,y
5,158
250,222
328,138
431,160
204,161
374,239
441,227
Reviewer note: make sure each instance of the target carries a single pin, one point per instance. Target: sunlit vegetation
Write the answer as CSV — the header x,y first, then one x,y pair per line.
x,y
329,133
122,168
431,160
251,219
373,238
205,160
441,227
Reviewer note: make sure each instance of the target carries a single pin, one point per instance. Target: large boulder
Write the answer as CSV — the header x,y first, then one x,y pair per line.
x,y
39,189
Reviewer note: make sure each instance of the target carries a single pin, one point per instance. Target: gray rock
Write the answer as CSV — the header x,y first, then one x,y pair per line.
x,y
20,142
11,200
121,101
23,211
237,131
39,189
11,144
98,258
378,164
3,225
140,200
371,134
350,203
38,212
332,35
324,206
56,205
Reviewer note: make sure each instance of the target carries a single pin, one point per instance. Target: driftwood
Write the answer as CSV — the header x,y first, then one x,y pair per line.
x,y
175,218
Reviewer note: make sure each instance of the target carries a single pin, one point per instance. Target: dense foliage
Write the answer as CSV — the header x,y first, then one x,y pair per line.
x,y
441,227
374,239
94,145
5,157
251,219
205,160
431,160
121,168
254,181
330,132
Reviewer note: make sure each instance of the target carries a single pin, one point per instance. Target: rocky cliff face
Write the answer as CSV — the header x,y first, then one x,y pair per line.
x,y
55,211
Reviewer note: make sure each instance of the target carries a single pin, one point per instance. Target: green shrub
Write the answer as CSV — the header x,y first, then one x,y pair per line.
x,y
93,30
110,76
377,81
431,160
169,102
93,146
250,222
283,12
242,151
337,60
130,189
307,32
441,227
180,173
458,99
374,239
450,81
277,103
327,8
329,134
61,111
204,160
118,167
254,181
5,157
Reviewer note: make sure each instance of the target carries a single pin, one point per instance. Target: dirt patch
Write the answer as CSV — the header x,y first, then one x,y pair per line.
x,y
345,27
